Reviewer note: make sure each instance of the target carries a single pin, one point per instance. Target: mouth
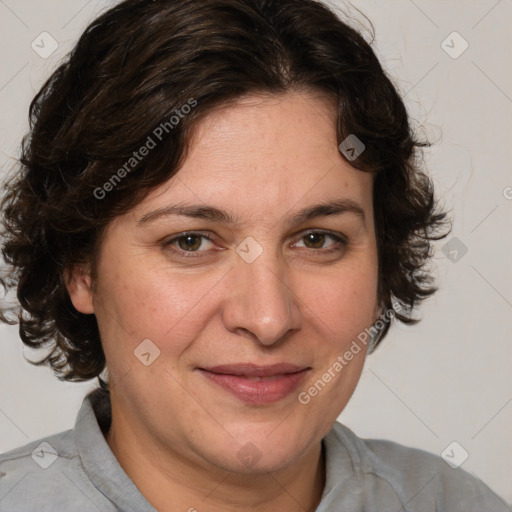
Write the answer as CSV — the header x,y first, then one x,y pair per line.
x,y
256,385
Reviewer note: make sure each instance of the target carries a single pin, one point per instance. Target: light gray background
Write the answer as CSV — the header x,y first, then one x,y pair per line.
x,y
448,378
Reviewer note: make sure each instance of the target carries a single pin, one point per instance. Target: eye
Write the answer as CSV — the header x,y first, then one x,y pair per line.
x,y
188,242
315,240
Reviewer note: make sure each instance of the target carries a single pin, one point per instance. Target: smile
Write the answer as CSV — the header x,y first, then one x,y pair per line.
x,y
257,385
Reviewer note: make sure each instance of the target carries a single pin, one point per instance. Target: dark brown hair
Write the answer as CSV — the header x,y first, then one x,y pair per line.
x,y
133,70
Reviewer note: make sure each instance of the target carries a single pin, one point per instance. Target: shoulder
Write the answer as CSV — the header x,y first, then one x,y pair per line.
x,y
416,477
45,475
41,454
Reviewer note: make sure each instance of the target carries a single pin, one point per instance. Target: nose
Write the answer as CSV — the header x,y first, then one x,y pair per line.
x,y
261,301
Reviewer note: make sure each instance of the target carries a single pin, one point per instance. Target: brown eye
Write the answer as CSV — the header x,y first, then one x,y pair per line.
x,y
315,240
188,243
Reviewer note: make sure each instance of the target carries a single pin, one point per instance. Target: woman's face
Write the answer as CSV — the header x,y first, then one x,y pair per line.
x,y
270,287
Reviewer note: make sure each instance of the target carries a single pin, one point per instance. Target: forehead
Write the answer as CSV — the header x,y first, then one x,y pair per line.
x,y
265,154
263,129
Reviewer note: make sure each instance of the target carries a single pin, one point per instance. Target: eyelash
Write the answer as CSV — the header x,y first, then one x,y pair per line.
x,y
192,254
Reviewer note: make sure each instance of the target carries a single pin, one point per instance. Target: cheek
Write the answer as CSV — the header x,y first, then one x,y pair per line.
x,y
341,308
169,308
344,302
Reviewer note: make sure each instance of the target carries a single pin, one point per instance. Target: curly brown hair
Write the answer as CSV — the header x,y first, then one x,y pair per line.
x,y
134,68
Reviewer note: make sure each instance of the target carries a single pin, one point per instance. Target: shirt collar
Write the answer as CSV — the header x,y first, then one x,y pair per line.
x,y
99,461
344,469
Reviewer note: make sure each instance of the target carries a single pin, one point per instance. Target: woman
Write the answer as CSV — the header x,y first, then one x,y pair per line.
x,y
219,203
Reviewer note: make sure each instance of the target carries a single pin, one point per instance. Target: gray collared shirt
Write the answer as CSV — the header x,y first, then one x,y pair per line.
x,y
76,471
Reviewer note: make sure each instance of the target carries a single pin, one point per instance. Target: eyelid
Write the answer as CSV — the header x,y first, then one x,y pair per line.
x,y
187,233
168,245
340,238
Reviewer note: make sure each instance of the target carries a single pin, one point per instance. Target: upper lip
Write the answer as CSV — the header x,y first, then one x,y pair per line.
x,y
253,370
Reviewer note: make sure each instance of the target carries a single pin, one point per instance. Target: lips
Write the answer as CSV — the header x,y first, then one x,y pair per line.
x,y
252,370
257,385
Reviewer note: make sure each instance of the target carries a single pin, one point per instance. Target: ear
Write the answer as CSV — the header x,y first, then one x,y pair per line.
x,y
78,284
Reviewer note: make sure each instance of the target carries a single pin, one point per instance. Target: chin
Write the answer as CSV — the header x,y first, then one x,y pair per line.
x,y
258,456
256,466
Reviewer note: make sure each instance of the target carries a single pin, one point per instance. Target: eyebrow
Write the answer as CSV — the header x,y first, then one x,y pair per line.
x,y
213,214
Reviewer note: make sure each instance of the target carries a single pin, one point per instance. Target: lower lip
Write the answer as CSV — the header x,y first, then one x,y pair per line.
x,y
257,392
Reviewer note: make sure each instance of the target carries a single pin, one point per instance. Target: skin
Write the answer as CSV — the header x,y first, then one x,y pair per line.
x,y
176,434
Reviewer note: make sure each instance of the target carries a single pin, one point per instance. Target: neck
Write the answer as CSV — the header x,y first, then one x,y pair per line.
x,y
170,481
